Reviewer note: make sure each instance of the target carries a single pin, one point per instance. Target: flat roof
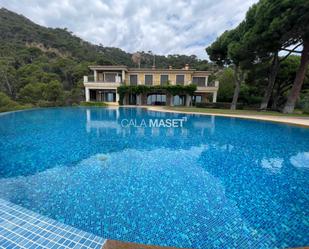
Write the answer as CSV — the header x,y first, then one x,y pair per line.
x,y
133,69
109,67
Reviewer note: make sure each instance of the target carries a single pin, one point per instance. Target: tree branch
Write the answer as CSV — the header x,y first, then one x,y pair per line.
x,y
290,51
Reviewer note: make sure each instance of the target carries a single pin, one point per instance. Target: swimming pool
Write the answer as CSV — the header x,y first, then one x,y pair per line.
x,y
214,183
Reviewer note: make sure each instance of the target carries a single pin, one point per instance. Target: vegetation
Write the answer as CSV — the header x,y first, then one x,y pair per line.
x,y
45,66
142,89
240,112
99,104
6,104
270,26
262,62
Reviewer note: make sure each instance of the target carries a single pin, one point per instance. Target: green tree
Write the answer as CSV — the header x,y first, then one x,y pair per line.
x,y
32,93
54,92
227,50
226,89
277,25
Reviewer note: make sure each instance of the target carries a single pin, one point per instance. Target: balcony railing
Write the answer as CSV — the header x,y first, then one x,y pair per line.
x,y
90,79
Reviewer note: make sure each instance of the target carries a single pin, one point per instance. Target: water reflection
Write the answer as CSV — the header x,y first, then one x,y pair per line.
x,y
301,160
110,122
274,165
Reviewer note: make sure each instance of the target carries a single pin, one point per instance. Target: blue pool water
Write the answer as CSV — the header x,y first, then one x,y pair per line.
x,y
215,183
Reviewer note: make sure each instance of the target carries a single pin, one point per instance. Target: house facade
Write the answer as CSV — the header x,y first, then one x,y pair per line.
x,y
103,84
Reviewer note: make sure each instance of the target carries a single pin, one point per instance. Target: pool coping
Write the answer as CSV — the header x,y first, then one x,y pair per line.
x,y
295,121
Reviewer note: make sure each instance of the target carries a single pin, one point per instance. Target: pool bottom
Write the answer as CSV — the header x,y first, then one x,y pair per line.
x,y
22,228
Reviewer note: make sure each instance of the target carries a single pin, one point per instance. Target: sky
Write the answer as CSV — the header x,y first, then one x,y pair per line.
x,y
162,26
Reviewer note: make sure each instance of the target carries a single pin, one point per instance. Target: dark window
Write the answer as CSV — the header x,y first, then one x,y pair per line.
x,y
133,79
179,100
93,95
132,99
199,81
196,99
164,79
148,79
110,77
180,79
156,99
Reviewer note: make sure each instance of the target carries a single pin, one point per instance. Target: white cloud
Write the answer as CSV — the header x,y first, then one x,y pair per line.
x,y
165,26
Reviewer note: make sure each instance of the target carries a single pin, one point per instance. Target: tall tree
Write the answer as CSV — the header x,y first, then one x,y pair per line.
x,y
227,50
278,25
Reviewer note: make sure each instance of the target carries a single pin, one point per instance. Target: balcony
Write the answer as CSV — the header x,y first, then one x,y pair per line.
x,y
89,81
210,87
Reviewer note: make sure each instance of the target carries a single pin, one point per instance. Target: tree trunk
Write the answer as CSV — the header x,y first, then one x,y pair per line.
x,y
237,88
275,98
271,81
299,79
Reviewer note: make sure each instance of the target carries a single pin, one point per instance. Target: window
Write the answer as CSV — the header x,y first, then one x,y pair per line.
x,y
199,81
180,79
164,79
179,100
148,79
156,99
133,79
196,99
110,77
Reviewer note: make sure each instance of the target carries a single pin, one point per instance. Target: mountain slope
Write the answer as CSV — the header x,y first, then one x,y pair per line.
x,y
30,53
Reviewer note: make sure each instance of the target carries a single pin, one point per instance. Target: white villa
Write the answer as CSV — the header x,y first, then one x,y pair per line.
x,y
102,86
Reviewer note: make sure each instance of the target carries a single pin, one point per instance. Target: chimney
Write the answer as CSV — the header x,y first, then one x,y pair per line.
x,y
187,67
170,67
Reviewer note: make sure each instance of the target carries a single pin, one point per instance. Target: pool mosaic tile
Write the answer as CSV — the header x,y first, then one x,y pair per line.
x,y
21,228
215,183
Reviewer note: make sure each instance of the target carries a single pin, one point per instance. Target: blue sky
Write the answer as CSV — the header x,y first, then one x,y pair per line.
x,y
163,26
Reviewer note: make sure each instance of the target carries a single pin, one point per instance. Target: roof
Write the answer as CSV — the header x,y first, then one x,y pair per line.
x,y
109,67
149,70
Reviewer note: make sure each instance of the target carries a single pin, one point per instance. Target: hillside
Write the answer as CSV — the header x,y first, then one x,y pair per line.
x,y
30,53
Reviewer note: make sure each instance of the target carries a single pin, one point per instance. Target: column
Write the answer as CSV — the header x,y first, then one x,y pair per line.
x,y
206,82
138,99
172,100
87,93
188,100
214,97
123,76
117,97
95,75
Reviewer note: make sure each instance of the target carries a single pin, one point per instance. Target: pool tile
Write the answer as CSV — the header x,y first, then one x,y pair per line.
x,y
22,228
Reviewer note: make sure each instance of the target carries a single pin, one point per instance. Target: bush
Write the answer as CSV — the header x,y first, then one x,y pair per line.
x,y
304,102
6,104
219,105
75,96
6,101
45,103
102,104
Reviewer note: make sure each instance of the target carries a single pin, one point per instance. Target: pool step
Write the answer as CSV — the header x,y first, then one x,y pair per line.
x,y
22,228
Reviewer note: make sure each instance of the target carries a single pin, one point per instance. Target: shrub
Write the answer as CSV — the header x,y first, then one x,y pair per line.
x,y
304,102
6,104
45,103
6,101
102,104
